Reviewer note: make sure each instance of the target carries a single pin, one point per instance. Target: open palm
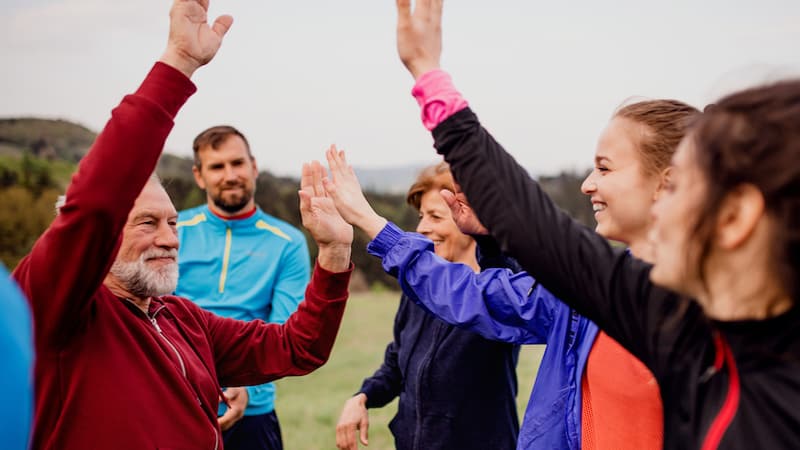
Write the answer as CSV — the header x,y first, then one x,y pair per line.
x,y
320,216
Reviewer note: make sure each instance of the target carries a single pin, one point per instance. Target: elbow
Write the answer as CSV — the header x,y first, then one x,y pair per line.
x,y
309,362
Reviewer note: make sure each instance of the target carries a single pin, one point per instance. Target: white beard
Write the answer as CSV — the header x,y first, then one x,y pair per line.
x,y
142,281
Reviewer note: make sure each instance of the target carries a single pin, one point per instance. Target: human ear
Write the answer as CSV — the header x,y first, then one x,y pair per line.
x,y
741,211
664,179
198,177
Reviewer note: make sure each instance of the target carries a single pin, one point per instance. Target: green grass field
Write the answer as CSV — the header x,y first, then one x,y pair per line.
x,y
309,406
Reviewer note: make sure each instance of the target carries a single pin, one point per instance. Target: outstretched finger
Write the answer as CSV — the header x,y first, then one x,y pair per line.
x,y
333,162
203,3
305,202
403,8
436,11
347,169
222,25
307,179
317,174
364,430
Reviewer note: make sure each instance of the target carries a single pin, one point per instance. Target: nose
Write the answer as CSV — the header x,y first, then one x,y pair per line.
x,y
167,236
589,186
230,173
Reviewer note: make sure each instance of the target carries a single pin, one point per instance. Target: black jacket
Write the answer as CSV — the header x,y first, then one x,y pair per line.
x,y
457,390
732,385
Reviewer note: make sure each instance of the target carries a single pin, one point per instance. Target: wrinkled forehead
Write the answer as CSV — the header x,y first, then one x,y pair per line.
x,y
153,201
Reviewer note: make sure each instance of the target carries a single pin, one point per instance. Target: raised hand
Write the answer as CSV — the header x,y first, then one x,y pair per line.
x,y
463,215
343,187
192,41
330,231
419,35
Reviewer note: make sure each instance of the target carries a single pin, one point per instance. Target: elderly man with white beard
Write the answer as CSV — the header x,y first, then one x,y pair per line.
x,y
121,363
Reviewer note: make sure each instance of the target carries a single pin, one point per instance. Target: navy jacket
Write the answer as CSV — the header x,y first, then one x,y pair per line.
x,y
457,390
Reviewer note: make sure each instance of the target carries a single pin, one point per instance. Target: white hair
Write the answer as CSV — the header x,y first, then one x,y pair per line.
x,y
62,199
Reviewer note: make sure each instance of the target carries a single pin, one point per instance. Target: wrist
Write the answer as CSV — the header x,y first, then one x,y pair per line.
x,y
186,66
360,398
421,68
371,224
334,257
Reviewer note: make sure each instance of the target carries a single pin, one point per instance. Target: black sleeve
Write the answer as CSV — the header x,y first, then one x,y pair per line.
x,y
489,255
603,283
385,384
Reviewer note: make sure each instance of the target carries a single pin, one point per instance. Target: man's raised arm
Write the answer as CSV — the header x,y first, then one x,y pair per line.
x,y
70,260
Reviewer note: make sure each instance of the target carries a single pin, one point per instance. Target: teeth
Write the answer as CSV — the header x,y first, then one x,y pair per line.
x,y
598,207
437,242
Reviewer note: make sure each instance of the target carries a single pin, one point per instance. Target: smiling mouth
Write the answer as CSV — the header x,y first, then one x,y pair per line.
x,y
162,259
597,207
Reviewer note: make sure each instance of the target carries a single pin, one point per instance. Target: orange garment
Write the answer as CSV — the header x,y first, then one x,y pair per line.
x,y
621,406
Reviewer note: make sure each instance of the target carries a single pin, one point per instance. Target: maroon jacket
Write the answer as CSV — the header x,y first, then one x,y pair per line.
x,y
107,375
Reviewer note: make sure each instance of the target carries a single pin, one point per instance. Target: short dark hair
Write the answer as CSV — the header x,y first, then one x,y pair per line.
x,y
214,137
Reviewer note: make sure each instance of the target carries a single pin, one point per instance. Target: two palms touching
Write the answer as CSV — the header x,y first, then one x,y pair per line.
x,y
345,190
318,211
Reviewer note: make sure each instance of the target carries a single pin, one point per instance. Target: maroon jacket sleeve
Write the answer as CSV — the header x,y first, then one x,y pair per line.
x,y
70,260
256,352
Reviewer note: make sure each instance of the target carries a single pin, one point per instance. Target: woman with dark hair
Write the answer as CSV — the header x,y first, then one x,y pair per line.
x,y
722,335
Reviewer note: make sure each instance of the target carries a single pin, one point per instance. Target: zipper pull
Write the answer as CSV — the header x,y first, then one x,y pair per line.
x,y
155,324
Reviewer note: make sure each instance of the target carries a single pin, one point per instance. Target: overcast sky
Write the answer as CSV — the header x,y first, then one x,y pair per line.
x,y
295,76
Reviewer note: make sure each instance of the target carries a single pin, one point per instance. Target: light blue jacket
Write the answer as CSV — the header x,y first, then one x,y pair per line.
x,y
16,351
246,269
508,307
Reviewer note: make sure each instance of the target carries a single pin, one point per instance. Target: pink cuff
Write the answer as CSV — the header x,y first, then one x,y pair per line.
x,y
437,97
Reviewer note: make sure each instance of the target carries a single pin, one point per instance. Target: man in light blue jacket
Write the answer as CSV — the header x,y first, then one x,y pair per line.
x,y
238,261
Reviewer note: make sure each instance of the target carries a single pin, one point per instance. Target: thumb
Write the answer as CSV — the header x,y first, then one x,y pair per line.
x,y
222,25
364,428
305,200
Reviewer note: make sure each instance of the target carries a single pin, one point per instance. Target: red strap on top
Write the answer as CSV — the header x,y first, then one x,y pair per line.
x,y
731,404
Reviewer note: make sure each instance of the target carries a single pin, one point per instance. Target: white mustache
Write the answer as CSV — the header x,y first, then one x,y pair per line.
x,y
159,253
